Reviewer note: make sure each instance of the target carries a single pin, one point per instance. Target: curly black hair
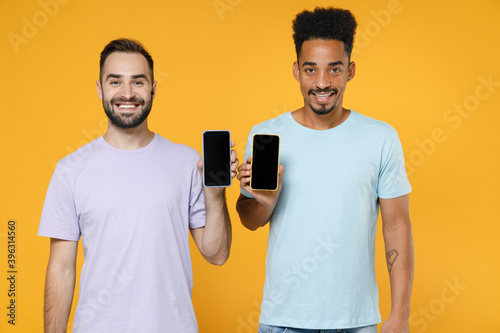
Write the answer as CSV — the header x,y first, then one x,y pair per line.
x,y
324,23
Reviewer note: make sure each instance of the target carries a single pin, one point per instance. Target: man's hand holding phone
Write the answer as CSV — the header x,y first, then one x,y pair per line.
x,y
219,164
234,168
261,176
265,198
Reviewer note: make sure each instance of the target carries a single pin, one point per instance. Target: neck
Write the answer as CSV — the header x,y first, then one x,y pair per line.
x,y
128,139
308,118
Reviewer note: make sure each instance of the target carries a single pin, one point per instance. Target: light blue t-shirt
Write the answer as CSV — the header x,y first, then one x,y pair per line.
x,y
320,269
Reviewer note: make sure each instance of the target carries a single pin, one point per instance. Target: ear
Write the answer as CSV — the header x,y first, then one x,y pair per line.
x,y
99,89
153,91
351,70
295,70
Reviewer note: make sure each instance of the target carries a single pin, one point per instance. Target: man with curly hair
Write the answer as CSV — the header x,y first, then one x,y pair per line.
x,y
338,168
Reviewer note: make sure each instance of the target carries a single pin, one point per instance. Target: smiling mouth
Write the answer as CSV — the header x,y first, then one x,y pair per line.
x,y
323,96
126,106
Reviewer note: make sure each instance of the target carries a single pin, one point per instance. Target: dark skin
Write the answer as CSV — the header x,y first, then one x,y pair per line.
x,y
323,70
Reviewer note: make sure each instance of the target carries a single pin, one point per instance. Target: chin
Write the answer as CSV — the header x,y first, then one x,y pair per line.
x,y
323,111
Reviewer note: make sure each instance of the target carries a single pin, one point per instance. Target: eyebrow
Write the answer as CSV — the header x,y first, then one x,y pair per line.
x,y
310,63
118,76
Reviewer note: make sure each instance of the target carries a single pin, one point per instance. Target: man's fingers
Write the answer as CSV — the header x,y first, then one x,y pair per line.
x,y
234,168
244,181
245,167
281,170
243,174
234,165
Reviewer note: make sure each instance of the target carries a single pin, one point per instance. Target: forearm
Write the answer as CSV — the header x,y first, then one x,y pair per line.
x,y
400,263
216,242
59,289
253,214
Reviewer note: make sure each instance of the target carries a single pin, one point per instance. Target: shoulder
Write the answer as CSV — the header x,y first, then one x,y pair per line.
x,y
80,156
274,125
178,150
371,126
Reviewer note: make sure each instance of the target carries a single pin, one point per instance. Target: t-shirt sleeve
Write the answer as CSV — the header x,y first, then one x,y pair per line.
x,y
197,211
59,218
393,181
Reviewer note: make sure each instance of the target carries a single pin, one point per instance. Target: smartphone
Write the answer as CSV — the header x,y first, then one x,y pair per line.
x,y
265,162
217,158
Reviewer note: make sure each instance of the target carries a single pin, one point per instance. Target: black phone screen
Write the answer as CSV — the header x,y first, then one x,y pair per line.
x,y
265,162
216,158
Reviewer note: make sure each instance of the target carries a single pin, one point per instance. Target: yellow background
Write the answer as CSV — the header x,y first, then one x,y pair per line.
x,y
227,65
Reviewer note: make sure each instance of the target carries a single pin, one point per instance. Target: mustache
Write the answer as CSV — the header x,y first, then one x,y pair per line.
x,y
134,99
323,91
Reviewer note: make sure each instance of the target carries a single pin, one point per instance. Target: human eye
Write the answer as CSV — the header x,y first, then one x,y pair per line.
x,y
139,83
336,70
309,70
114,82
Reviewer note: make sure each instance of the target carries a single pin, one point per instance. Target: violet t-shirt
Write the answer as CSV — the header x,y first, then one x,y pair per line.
x,y
133,210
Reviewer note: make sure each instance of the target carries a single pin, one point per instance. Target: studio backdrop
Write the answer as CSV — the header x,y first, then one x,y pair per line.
x,y
429,68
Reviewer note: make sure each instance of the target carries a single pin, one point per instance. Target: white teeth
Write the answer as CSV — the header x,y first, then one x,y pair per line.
x,y
323,96
126,106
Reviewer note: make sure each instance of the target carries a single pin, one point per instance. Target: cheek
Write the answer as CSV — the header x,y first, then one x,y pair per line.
x,y
340,82
304,89
305,84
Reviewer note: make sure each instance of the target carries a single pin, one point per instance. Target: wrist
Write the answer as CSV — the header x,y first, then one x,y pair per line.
x,y
215,196
400,313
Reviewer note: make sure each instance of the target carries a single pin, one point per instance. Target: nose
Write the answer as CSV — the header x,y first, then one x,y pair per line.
x,y
322,80
127,91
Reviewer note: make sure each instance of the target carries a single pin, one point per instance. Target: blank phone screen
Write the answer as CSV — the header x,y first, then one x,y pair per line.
x,y
216,158
265,161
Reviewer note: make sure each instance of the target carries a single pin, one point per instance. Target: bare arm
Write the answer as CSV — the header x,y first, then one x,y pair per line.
x,y
257,211
253,214
400,260
59,285
214,239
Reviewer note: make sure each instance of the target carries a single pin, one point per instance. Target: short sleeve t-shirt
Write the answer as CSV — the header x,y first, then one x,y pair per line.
x,y
133,210
320,268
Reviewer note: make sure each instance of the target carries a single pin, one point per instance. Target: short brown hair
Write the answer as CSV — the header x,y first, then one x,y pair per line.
x,y
126,45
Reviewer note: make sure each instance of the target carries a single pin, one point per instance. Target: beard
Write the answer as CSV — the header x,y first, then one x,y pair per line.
x,y
127,121
323,109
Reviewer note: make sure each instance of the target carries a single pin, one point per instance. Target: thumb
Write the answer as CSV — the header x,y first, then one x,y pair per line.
x,y
199,165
